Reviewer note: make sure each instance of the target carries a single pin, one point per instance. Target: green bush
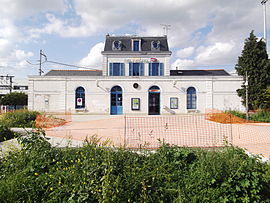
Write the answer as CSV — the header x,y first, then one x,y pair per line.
x,y
6,133
237,113
261,116
19,118
41,173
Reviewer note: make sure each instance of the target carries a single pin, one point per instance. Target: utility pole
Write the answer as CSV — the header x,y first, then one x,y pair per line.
x,y
263,2
40,62
246,85
10,83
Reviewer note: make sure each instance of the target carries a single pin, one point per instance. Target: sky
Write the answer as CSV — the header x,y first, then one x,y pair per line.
x,y
203,34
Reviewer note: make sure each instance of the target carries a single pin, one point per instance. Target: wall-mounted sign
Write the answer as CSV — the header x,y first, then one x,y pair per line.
x,y
135,103
79,101
173,103
141,60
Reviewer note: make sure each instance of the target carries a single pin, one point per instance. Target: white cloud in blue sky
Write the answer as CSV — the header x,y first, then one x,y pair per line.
x,y
203,34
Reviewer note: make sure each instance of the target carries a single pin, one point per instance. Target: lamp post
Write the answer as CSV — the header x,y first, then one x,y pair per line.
x,y
246,85
263,2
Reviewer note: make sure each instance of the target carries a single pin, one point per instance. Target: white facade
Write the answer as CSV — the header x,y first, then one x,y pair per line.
x,y
57,94
121,84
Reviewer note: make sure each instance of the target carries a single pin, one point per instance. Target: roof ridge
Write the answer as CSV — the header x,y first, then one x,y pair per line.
x,y
201,69
72,70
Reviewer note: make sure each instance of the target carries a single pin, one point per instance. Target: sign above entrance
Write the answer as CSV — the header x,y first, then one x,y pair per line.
x,y
154,90
141,60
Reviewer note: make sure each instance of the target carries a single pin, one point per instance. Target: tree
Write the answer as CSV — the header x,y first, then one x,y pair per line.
x,y
266,97
14,98
254,61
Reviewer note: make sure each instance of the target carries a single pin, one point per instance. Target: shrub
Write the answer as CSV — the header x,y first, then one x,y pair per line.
x,y
6,133
237,113
97,174
19,118
261,116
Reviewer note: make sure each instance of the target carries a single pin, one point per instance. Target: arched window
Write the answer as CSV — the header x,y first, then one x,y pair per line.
x,y
191,98
80,98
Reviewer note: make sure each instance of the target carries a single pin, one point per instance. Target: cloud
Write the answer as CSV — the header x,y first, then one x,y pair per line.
x,y
215,55
186,52
17,10
181,64
94,58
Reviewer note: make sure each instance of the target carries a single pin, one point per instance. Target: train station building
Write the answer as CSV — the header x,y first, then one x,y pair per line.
x,y
135,79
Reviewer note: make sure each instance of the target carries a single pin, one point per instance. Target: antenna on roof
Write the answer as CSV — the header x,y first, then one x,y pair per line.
x,y
166,28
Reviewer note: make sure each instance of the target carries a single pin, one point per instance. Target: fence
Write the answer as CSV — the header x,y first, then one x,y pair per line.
x,y
213,129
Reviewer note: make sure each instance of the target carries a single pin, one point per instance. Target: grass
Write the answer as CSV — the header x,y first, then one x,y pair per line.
x,y
96,173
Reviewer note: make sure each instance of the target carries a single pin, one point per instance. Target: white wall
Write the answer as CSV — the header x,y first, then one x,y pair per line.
x,y
57,94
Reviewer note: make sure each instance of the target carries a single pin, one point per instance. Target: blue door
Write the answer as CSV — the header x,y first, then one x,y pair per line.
x,y
116,101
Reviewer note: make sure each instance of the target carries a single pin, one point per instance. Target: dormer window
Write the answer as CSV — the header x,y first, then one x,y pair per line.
x,y
117,45
136,45
155,45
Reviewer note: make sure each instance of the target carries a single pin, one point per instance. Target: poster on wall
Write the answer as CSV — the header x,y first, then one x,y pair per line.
x,y
135,103
174,103
79,102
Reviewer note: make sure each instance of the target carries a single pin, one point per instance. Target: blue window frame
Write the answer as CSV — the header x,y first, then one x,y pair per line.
x,y
156,69
136,69
136,45
80,98
191,98
117,69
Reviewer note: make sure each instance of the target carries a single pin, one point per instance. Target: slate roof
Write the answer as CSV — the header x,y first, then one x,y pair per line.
x,y
211,72
127,43
74,73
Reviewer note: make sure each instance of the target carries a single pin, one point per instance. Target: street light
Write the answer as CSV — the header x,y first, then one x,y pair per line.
x,y
246,85
263,2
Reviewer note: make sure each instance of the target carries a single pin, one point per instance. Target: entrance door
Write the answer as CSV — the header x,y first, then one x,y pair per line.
x,y
116,101
154,101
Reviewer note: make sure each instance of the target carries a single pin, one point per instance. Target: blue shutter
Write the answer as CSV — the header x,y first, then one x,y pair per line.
x,y
150,69
130,69
122,72
161,69
111,69
142,69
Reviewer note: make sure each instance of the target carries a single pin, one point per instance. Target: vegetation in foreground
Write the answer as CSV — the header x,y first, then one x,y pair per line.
x,y
6,133
19,118
260,116
41,173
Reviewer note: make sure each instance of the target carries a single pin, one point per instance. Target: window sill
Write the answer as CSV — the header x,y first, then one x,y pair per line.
x,y
193,111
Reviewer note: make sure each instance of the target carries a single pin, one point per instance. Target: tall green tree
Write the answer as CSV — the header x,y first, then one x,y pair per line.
x,y
14,98
254,61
